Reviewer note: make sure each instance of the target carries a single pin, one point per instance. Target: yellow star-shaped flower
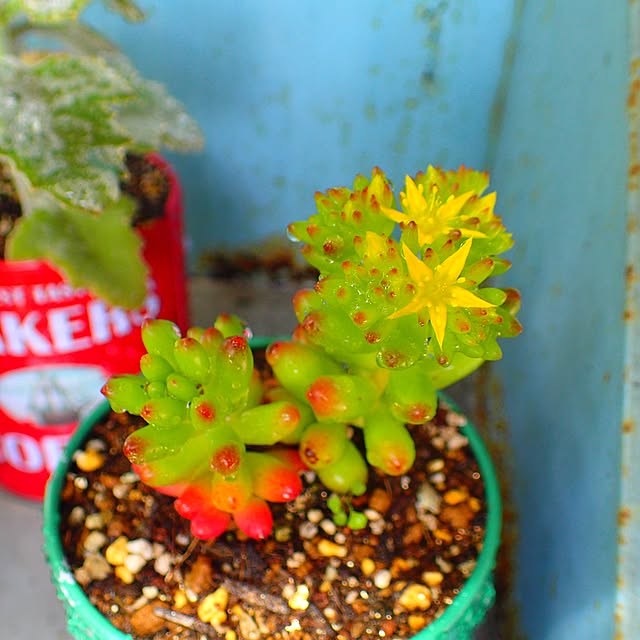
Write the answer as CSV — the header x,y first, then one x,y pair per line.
x,y
437,289
432,217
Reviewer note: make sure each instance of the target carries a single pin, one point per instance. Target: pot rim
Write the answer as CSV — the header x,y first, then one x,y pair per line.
x,y
75,598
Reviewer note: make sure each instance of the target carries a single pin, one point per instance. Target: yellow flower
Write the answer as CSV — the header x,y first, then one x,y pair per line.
x,y
437,289
432,217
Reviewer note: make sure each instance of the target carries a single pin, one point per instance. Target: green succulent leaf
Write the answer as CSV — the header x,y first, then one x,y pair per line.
x,y
57,126
98,252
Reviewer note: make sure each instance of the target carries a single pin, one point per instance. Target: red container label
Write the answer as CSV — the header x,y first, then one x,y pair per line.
x,y
58,345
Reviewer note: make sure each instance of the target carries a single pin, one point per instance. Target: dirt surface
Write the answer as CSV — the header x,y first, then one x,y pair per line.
x,y
141,567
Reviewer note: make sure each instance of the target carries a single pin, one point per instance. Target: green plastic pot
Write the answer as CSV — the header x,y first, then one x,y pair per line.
x,y
458,622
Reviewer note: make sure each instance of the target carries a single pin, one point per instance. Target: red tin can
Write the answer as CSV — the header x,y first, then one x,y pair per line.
x,y
58,345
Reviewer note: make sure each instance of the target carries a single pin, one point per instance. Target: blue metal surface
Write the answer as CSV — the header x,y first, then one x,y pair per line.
x,y
297,96
561,164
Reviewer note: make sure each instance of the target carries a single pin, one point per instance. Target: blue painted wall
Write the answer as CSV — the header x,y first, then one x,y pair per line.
x,y
298,96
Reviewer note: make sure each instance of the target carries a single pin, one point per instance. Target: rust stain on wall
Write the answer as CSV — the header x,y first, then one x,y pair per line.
x,y
633,103
628,426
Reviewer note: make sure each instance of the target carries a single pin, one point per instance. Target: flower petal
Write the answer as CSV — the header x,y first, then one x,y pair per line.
x,y
418,270
438,318
459,297
396,216
452,267
414,200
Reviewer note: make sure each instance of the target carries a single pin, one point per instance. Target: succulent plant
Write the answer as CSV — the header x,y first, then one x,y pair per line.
x,y
69,113
397,314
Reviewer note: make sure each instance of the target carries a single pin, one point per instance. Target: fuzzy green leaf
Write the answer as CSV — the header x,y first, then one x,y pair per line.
x,y
128,9
98,252
57,126
45,10
154,118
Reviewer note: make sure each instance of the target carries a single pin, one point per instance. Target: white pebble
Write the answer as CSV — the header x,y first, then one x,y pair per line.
x,y
377,527
150,591
296,559
129,478
120,491
315,515
141,547
76,516
94,541
94,521
162,565
308,530
382,578
328,526
427,499
134,562
457,441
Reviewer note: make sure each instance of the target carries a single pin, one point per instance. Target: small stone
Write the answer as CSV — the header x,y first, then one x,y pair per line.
x,y
466,568
455,496
116,552
382,578
377,527
199,578
144,622
372,515
380,501
80,483
307,530
141,547
76,516
328,526
213,608
416,622
94,521
150,591
457,441
89,460
282,534
474,504
129,478
432,578
120,491
94,541
299,601
315,515
367,566
123,574
296,559
247,626
416,597
95,567
445,567
458,516
163,562
427,499
435,465
413,534
134,563
328,548
455,419
180,599
443,534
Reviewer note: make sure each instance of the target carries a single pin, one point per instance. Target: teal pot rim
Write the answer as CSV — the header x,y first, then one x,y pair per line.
x,y
466,611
